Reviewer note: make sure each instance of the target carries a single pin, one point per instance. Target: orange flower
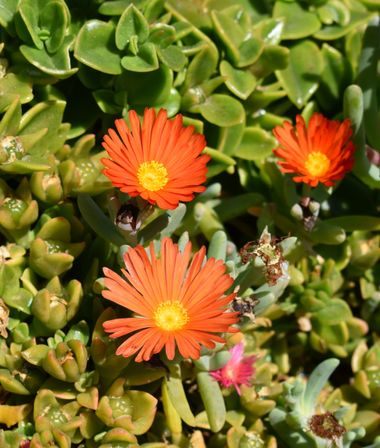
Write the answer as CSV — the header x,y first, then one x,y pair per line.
x,y
175,304
321,153
159,161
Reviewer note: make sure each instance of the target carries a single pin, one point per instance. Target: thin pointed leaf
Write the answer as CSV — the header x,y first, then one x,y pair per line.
x,y
174,220
178,398
315,384
213,401
218,246
98,221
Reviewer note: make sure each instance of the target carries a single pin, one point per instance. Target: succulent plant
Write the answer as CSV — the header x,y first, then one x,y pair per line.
x,y
300,262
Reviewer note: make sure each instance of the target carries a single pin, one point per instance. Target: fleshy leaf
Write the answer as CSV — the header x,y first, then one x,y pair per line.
x,y
95,47
222,110
299,23
300,79
131,23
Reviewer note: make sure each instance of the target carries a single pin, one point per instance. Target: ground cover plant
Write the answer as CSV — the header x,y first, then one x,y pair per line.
x,y
189,223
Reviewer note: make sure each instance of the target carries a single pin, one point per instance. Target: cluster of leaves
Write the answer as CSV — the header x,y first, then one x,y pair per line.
x,y
234,69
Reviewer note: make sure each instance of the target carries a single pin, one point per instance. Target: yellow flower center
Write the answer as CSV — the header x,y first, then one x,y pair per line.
x,y
230,373
317,164
171,316
152,176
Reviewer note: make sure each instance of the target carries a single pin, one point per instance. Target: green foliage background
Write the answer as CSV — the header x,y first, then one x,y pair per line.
x,y
234,69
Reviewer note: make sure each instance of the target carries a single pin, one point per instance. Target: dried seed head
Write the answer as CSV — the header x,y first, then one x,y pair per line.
x,y
267,248
245,306
326,426
4,317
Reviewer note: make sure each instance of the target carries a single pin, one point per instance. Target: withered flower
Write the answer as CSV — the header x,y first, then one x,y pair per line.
x,y
326,426
267,248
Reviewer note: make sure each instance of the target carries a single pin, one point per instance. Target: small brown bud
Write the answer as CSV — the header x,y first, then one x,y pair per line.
x,y
126,217
245,307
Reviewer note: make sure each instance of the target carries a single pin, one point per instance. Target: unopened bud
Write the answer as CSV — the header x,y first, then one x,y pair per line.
x,y
127,218
11,149
296,212
131,215
314,207
373,155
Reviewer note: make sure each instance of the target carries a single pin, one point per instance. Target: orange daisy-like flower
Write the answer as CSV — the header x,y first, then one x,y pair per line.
x,y
159,160
322,152
176,304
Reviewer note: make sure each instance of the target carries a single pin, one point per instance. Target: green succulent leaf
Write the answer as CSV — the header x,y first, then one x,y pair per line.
x,y
242,48
131,23
222,110
335,76
301,78
173,57
239,82
201,67
145,61
367,80
10,122
45,115
218,246
8,9
29,12
97,220
256,144
95,47
334,312
54,17
14,87
213,401
316,382
336,31
56,64
178,398
298,22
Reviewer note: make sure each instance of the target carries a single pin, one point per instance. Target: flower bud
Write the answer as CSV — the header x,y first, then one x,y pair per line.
x,y
83,175
133,411
11,149
296,212
17,209
59,420
54,305
51,253
67,361
55,437
47,187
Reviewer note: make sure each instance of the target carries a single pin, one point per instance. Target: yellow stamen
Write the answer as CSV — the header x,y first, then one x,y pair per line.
x,y
317,164
230,373
171,316
152,176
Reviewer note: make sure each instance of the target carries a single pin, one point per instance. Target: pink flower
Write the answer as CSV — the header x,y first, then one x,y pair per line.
x,y
25,444
238,370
